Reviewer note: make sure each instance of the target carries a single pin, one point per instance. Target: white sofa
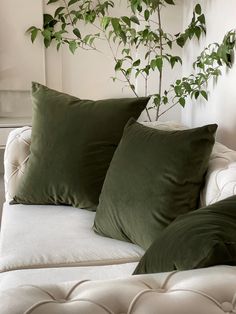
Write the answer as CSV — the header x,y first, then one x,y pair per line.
x,y
47,252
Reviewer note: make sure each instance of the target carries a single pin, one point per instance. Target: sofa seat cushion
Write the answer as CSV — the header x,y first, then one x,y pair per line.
x,y
36,236
178,292
55,275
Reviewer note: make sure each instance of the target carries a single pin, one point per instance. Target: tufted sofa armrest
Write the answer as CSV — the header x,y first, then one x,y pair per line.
x,y
220,178
221,175
186,292
15,158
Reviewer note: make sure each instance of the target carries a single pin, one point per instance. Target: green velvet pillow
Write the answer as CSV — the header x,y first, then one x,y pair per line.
x,y
154,176
73,142
202,238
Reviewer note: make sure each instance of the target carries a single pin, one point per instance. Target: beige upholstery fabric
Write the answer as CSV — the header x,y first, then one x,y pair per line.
x,y
45,276
15,158
220,180
35,236
43,246
203,291
221,175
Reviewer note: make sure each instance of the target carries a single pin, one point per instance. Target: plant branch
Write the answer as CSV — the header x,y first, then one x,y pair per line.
x,y
161,54
68,12
163,112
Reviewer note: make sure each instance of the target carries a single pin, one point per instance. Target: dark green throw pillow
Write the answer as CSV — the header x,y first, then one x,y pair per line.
x,y
73,142
202,238
154,177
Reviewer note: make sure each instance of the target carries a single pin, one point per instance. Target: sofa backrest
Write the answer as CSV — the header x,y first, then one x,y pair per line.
x,y
220,178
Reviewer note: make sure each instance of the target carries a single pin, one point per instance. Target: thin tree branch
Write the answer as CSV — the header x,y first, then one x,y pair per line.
x,y
161,54
68,12
163,112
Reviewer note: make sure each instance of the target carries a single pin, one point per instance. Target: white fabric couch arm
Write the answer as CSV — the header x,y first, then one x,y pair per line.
x,y
221,175
15,158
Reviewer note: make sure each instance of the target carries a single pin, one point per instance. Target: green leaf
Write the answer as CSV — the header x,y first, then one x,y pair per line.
x,y
187,87
181,41
47,18
118,65
72,2
116,24
137,73
204,94
34,33
165,100
105,22
147,69
153,64
178,90
125,51
202,19
170,2
52,1
77,33
157,100
123,37
126,20
169,43
172,61
146,15
58,46
58,36
198,9
72,46
134,19
137,63
58,11
159,63
196,94
47,42
46,34
182,101
197,32
132,87
128,71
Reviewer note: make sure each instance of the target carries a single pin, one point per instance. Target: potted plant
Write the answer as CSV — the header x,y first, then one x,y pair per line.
x,y
140,29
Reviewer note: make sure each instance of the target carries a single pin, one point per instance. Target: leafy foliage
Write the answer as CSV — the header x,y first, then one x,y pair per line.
x,y
141,29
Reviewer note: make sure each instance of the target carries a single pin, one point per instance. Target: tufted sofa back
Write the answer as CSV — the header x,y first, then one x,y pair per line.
x,y
220,179
200,291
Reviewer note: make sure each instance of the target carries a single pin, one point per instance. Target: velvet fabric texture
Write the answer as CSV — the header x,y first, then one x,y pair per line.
x,y
73,142
154,177
203,238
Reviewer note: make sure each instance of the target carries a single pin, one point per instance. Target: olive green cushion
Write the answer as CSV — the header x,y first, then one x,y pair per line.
x,y
73,142
202,238
154,176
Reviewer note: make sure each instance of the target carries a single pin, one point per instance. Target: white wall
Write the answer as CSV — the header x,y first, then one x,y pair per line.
x,y
20,61
221,107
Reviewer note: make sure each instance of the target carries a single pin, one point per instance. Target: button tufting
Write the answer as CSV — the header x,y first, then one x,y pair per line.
x,y
227,307
161,290
61,301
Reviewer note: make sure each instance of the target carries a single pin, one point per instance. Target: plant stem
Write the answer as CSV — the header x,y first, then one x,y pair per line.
x,y
163,112
68,12
124,74
161,54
